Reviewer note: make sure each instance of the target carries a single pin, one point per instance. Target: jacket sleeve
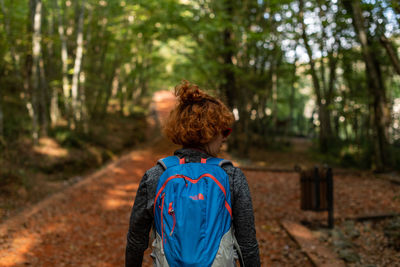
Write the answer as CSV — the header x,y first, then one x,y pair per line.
x,y
243,220
139,227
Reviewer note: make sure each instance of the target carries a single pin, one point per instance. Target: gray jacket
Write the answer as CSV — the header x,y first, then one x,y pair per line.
x,y
142,217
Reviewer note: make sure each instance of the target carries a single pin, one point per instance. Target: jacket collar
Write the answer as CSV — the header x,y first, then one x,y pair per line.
x,y
191,154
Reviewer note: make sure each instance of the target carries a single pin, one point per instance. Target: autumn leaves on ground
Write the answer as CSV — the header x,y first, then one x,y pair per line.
x,y
86,224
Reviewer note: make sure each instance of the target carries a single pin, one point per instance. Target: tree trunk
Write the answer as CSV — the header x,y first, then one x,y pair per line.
x,y
332,62
122,96
54,107
274,87
292,95
64,62
84,125
234,100
36,9
381,113
76,105
274,90
43,115
109,89
1,117
323,113
95,109
391,53
228,86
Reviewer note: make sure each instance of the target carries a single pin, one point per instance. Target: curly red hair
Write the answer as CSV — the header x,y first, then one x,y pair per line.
x,y
198,117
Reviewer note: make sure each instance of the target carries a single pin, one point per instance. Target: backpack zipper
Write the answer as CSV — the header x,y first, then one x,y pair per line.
x,y
172,213
162,221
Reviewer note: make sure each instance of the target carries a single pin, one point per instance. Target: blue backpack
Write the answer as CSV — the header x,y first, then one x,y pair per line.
x,y
193,215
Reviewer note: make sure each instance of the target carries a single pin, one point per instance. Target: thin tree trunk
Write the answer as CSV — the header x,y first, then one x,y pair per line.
x,y
76,105
64,61
274,88
233,96
43,99
113,76
391,53
322,111
356,126
85,115
122,97
98,94
381,113
1,117
228,87
54,107
332,62
328,85
292,94
323,47
36,52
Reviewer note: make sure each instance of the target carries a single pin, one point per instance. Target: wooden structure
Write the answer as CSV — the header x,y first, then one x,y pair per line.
x,y
316,187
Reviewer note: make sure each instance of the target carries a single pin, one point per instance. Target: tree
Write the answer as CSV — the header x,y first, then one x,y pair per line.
x,y
77,106
376,86
323,94
36,14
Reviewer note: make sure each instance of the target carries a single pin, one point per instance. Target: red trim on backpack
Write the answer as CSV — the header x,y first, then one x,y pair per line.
x,y
215,180
203,160
182,161
194,182
228,208
162,221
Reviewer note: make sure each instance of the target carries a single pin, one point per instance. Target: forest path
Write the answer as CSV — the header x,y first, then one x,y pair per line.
x,y
86,224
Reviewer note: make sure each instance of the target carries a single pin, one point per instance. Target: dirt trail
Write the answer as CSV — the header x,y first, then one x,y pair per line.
x,y
86,225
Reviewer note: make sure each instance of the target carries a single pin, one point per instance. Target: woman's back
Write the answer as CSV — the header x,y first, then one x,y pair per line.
x,y
200,124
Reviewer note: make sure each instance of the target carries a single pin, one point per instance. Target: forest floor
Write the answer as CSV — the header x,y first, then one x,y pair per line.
x,y
29,172
86,224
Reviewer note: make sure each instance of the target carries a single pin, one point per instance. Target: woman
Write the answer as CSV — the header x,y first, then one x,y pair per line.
x,y
200,123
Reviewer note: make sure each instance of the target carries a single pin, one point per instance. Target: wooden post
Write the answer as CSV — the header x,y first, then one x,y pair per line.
x,y
316,179
329,181
316,191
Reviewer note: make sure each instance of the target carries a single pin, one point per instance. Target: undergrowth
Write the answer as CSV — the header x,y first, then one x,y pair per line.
x,y
64,153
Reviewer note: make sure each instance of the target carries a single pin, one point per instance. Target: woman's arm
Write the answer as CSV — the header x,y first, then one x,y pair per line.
x,y
243,220
139,227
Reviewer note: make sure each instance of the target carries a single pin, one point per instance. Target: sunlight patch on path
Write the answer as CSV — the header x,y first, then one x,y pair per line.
x,y
20,246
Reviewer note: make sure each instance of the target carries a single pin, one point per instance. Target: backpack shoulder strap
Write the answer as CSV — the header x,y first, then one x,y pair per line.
x,y
218,161
169,162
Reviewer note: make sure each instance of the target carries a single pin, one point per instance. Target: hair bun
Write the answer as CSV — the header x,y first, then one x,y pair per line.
x,y
189,93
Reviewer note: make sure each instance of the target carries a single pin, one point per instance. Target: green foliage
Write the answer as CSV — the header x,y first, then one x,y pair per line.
x,y
17,121
68,138
356,157
251,53
396,155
